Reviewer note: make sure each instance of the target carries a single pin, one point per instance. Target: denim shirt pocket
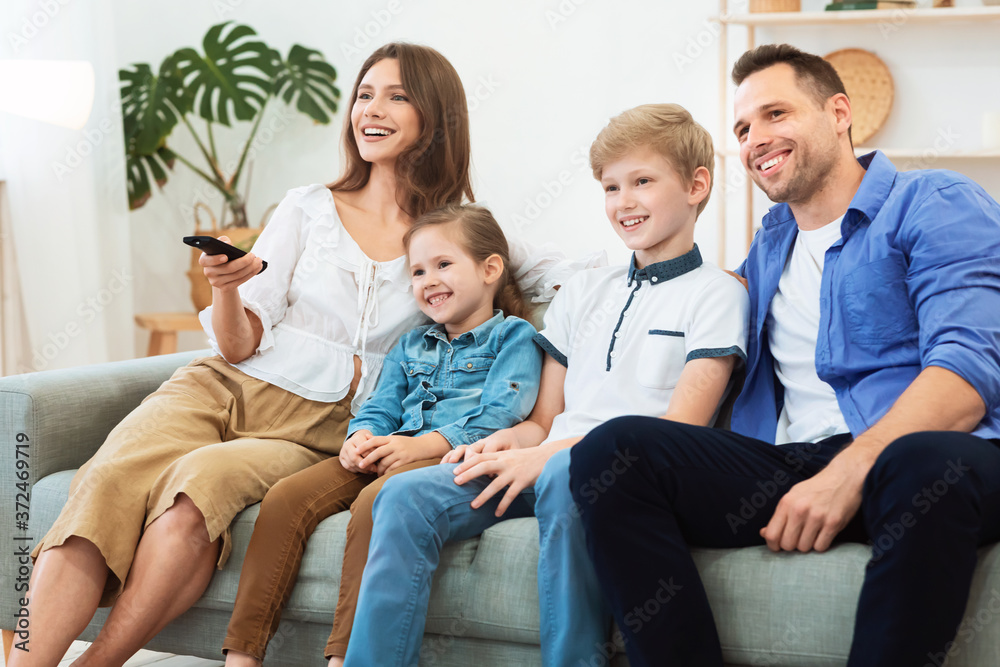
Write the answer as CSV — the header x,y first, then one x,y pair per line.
x,y
877,307
470,372
419,369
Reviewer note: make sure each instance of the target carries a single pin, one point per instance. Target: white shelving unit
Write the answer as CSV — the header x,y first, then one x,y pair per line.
x,y
833,19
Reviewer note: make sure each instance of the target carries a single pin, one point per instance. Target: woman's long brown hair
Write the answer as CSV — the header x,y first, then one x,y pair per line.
x,y
434,171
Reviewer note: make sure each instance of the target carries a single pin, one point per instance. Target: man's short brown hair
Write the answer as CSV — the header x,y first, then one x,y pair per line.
x,y
667,129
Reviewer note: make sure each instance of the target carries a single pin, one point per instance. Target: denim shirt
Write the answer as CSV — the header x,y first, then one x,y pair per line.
x,y
465,389
913,282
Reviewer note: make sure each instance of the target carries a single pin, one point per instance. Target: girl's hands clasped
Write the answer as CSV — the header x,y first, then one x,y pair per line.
x,y
350,457
228,274
384,453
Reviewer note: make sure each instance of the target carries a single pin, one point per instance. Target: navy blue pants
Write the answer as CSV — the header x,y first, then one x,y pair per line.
x,y
648,488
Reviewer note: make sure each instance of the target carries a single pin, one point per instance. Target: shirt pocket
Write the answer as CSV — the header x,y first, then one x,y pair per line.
x,y
420,371
472,371
878,309
662,359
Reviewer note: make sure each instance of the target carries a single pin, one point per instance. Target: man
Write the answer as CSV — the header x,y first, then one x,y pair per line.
x,y
874,365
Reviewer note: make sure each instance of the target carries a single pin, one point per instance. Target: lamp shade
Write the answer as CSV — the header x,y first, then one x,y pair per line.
x,y
60,92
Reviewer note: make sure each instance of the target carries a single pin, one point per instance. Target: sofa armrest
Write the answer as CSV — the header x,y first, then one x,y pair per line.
x,y
56,420
65,415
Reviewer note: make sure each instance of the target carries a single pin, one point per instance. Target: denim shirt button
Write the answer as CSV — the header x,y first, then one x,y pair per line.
x,y
469,365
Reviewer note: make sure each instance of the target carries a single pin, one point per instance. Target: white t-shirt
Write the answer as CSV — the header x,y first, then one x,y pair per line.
x,y
625,335
322,301
811,412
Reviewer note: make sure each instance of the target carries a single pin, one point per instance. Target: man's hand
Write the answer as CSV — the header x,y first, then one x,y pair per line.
x,y
349,456
384,453
814,511
498,441
739,278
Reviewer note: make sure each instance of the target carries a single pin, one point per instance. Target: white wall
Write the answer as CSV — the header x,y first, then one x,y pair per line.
x,y
543,76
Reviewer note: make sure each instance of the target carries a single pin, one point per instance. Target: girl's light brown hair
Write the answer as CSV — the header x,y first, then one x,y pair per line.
x,y
434,171
481,236
667,129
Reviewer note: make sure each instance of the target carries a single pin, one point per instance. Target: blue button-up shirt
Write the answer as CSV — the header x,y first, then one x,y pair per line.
x,y
913,282
465,389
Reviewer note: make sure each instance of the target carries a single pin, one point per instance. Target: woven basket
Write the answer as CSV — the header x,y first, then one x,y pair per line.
x,y
775,6
869,85
241,237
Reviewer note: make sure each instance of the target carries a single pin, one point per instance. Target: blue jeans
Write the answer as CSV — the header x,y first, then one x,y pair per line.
x,y
418,511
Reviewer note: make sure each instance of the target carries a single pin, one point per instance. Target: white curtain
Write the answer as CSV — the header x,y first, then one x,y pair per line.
x,y
69,230
13,334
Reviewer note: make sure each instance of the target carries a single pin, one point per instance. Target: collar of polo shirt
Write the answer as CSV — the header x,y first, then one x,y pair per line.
x,y
660,272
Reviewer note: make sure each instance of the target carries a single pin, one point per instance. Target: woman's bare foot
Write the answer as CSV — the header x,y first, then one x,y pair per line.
x,y
237,659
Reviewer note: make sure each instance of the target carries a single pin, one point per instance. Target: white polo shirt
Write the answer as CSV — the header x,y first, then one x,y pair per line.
x,y
624,335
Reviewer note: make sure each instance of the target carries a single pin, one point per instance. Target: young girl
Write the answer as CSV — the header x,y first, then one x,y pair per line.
x,y
298,348
446,384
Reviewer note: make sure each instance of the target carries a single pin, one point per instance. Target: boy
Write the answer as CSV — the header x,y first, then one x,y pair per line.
x,y
660,337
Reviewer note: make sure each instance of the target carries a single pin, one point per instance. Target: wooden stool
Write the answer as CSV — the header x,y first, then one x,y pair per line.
x,y
164,328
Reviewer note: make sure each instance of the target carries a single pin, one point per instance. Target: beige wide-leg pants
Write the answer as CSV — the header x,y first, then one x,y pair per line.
x,y
210,432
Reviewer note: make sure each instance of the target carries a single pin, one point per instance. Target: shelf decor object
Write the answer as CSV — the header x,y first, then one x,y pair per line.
x,y
869,86
849,6
757,6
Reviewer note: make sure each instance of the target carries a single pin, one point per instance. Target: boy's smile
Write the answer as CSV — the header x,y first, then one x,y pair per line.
x,y
651,208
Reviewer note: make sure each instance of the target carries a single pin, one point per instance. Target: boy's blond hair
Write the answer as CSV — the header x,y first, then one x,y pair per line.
x,y
667,129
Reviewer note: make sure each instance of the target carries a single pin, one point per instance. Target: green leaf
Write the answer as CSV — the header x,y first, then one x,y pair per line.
x,y
138,169
233,77
308,76
151,105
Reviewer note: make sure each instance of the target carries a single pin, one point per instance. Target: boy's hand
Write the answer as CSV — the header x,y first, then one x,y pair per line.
x,y
498,441
393,451
350,457
460,452
516,469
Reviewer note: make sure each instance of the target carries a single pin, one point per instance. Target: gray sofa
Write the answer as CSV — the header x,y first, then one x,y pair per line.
x,y
788,609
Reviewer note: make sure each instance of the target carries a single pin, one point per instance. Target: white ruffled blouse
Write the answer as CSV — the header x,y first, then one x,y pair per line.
x,y
322,301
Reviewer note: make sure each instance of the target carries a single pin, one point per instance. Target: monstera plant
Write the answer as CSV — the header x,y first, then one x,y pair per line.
x,y
233,80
